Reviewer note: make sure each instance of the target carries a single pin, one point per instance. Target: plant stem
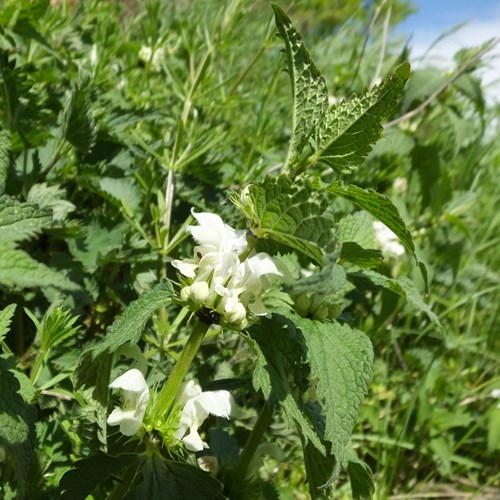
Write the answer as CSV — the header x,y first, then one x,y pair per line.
x,y
167,395
254,439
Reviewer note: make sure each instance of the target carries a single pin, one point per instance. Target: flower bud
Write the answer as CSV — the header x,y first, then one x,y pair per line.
x,y
199,292
235,313
186,293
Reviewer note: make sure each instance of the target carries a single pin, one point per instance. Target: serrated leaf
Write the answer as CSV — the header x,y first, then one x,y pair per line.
x,y
361,479
79,126
402,286
4,158
341,360
345,137
50,198
382,208
17,424
19,221
280,366
309,92
167,479
290,213
19,270
5,319
79,482
127,328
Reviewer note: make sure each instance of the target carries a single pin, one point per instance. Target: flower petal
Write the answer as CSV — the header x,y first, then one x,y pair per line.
x,y
218,403
187,267
132,380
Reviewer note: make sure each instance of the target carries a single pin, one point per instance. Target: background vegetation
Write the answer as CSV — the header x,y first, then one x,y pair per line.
x,y
117,145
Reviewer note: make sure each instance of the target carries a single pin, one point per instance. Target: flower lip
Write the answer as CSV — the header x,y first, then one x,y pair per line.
x,y
135,400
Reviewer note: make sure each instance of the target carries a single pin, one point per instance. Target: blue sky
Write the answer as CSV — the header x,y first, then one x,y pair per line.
x,y
443,14
434,17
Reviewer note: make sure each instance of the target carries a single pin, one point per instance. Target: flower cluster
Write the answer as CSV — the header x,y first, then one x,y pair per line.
x,y
221,279
196,407
387,240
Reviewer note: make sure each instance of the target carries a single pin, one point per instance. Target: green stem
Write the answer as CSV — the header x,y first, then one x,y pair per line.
x,y
254,439
167,395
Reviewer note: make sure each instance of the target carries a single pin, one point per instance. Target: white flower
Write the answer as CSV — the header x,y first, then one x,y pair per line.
x,y
198,406
147,54
208,463
221,281
135,400
495,393
387,240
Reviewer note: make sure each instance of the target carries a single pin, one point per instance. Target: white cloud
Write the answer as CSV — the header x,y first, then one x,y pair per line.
x,y
474,33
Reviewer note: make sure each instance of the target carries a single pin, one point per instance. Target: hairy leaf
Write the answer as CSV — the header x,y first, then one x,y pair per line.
x,y
17,423
346,137
280,367
127,328
168,479
50,198
309,92
18,269
79,127
19,221
357,228
361,479
5,319
290,213
79,482
341,361
362,257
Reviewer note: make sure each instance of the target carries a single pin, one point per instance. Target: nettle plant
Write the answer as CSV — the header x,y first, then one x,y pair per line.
x,y
282,284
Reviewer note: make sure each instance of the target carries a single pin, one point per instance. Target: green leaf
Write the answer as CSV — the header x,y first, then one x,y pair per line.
x,y
345,137
167,479
329,279
17,423
19,221
127,328
382,208
19,270
50,198
402,286
4,158
341,360
290,213
357,228
5,319
361,479
309,92
79,127
280,367
79,482
362,257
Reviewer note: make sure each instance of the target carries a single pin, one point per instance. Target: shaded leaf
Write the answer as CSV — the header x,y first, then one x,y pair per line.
x,y
5,319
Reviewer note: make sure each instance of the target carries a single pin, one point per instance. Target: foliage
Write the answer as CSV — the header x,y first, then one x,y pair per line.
x,y
118,120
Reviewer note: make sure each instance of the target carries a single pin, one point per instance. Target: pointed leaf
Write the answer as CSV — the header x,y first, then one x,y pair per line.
x,y
309,92
5,319
346,137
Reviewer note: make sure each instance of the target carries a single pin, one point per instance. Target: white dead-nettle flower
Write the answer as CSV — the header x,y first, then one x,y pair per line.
x,y
197,407
387,240
156,56
135,399
400,185
221,281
